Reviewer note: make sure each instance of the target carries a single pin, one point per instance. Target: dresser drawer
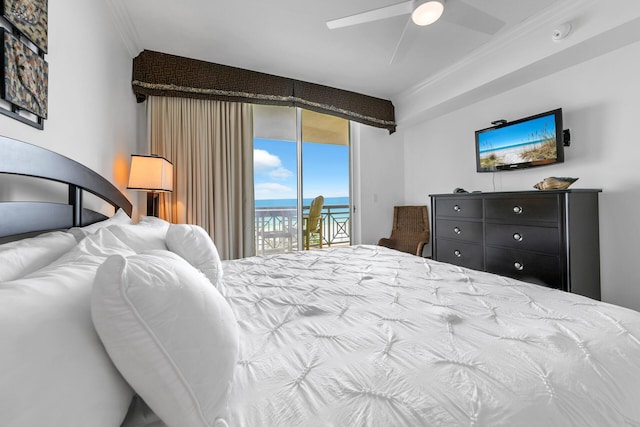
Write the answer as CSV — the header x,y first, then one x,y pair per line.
x,y
524,237
523,234
460,253
526,266
459,230
459,208
520,210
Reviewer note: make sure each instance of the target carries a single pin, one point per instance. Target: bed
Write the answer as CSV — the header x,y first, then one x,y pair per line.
x,y
143,325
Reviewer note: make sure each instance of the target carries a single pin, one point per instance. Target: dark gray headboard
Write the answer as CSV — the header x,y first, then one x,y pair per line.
x,y
20,158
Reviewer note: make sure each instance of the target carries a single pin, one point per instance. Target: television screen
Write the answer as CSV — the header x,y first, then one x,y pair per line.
x,y
531,141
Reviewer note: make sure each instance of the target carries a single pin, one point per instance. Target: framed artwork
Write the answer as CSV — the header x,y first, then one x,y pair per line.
x,y
25,82
30,18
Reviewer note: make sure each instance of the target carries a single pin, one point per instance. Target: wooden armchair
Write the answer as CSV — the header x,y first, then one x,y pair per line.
x,y
313,223
410,230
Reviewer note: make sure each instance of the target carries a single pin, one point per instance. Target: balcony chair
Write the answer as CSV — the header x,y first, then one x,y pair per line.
x,y
410,230
313,224
276,230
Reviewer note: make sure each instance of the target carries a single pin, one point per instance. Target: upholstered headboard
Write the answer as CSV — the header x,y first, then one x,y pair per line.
x,y
20,158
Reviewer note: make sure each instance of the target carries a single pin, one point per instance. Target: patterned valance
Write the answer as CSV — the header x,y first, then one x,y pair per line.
x,y
161,74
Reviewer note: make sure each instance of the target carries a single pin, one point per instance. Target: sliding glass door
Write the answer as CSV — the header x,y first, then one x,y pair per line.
x,y
299,156
325,172
275,169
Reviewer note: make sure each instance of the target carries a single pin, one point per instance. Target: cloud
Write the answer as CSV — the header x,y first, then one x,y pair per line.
x,y
270,164
273,190
280,173
264,161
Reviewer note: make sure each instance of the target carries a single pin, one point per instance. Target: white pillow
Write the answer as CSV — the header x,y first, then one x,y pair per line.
x,y
95,249
120,217
140,415
153,221
19,258
143,236
170,333
193,244
54,370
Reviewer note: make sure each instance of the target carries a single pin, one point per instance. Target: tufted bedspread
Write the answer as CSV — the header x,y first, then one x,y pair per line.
x,y
367,336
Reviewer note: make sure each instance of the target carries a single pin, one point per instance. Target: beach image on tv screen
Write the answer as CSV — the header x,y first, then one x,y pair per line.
x,y
529,141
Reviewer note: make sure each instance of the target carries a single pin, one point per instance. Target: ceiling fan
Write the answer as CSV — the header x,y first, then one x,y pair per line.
x,y
425,12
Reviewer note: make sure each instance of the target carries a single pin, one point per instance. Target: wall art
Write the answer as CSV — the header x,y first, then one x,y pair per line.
x,y
25,80
30,18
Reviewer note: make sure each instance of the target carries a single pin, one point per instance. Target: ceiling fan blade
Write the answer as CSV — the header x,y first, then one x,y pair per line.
x,y
465,15
401,47
372,15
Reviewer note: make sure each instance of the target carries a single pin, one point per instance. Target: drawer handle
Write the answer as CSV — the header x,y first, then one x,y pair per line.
x,y
457,253
517,210
518,265
457,208
517,237
457,230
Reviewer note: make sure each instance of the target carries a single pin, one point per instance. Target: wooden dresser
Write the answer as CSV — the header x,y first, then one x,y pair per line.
x,y
545,237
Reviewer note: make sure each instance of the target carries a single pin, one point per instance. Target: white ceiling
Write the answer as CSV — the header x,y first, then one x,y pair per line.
x,y
289,38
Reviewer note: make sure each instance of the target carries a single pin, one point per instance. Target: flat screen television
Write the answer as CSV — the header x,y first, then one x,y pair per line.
x,y
531,141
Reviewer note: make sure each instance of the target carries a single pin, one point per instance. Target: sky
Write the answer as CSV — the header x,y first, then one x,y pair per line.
x,y
517,134
325,169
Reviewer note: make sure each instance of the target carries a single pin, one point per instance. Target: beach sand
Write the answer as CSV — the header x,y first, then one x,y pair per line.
x,y
508,155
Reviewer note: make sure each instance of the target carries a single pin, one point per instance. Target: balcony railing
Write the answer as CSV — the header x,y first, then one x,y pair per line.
x,y
276,228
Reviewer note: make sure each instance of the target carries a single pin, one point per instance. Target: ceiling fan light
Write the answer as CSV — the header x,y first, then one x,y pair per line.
x,y
427,13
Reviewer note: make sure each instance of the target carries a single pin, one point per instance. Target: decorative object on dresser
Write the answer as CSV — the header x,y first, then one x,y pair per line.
x,y
555,183
153,174
550,238
410,230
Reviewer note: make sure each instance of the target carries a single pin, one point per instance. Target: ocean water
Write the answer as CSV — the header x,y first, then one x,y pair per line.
x,y
328,201
522,146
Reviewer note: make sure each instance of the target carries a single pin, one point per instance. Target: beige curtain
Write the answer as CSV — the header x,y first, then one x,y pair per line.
x,y
210,144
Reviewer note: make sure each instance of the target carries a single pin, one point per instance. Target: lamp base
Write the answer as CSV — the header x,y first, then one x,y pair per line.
x,y
152,204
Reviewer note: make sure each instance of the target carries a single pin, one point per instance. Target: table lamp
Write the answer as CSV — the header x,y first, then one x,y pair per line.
x,y
153,174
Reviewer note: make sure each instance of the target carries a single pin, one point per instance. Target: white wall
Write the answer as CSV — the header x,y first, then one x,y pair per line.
x,y
92,110
601,103
381,181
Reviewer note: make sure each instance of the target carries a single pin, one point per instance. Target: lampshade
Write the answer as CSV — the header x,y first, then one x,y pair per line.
x,y
150,173
427,13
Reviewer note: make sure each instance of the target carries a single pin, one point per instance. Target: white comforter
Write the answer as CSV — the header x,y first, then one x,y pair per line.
x,y
367,336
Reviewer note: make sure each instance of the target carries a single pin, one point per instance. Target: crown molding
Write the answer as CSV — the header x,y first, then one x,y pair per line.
x,y
124,26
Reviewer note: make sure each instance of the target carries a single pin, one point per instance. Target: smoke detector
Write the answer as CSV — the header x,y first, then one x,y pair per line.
x,y
561,32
